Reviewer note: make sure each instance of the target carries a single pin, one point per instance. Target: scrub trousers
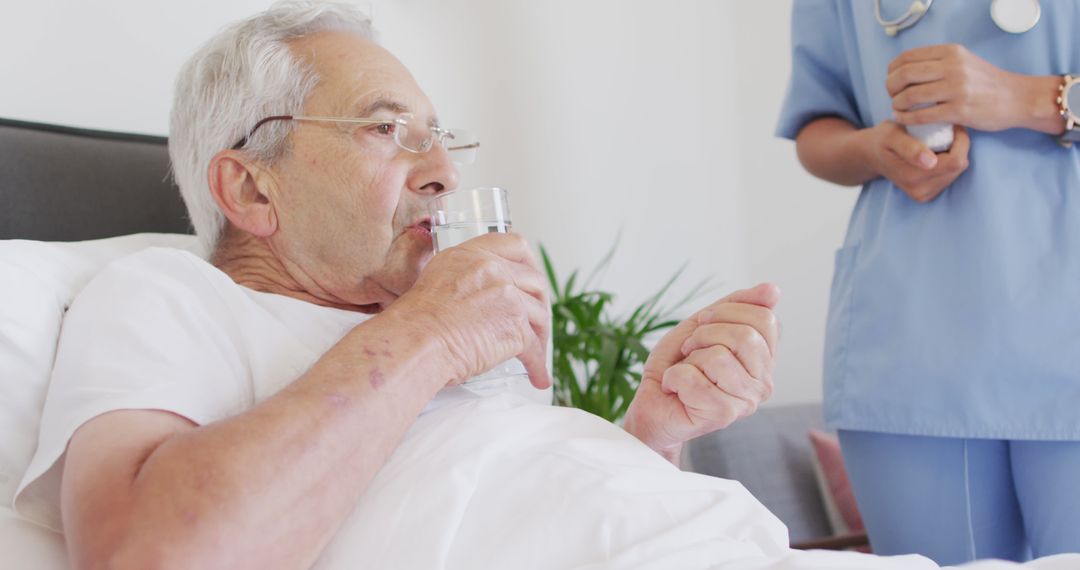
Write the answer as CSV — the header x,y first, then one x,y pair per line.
x,y
955,500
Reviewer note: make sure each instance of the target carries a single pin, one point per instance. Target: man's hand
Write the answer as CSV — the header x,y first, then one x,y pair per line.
x,y
964,89
911,165
487,301
712,369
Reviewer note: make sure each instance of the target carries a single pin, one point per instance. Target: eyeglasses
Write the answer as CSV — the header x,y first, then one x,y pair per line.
x,y
407,133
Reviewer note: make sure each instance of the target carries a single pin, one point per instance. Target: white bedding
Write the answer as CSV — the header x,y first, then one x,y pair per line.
x,y
503,483
27,545
499,482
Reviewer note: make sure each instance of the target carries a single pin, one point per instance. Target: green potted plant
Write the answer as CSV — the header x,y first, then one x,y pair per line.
x,y
597,357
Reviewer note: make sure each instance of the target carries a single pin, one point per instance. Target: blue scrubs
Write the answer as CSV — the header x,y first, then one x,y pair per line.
x,y
955,500
959,318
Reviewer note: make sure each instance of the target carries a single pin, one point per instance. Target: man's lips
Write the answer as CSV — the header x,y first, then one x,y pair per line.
x,y
421,226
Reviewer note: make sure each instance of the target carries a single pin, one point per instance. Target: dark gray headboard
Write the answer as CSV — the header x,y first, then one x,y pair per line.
x,y
66,184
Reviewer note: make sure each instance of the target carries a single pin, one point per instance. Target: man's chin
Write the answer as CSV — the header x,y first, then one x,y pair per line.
x,y
406,274
419,262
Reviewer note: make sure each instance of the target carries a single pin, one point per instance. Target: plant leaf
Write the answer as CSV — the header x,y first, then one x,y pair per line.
x,y
550,269
568,291
598,358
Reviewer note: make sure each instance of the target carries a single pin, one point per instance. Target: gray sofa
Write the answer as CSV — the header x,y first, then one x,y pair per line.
x,y
66,184
770,454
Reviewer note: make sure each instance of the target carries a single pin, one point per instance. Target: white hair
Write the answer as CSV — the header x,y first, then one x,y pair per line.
x,y
244,74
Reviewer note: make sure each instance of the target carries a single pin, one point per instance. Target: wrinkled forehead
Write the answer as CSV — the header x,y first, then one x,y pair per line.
x,y
359,78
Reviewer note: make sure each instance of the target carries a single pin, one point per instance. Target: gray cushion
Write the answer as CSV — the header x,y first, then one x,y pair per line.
x,y
64,184
770,454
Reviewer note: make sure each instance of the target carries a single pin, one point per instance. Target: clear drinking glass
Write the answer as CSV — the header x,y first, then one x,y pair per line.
x,y
460,215
456,217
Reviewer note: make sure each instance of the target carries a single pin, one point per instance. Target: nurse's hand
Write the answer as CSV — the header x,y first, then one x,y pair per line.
x,y
911,165
965,89
710,370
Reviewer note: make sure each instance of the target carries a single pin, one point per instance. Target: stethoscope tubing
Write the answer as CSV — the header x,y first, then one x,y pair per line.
x,y
919,8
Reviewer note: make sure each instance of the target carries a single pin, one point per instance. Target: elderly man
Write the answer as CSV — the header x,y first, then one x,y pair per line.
x,y
232,413
292,402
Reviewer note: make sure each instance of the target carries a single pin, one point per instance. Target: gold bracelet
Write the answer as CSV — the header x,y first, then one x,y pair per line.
x,y
1063,110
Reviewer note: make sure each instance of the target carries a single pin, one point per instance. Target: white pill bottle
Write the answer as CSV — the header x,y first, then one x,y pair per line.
x,y
937,136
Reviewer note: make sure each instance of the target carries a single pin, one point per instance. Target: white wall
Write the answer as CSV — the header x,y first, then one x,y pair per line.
x,y
601,115
794,222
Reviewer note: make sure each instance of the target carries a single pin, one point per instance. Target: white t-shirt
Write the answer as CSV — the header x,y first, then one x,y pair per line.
x,y
163,329
483,479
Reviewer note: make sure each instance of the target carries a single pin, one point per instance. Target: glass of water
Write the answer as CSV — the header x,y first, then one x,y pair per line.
x,y
456,217
460,215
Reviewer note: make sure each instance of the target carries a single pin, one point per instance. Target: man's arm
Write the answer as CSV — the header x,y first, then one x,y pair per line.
x,y
266,488
269,487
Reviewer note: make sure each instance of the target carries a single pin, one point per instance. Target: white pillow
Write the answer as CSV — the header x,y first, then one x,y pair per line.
x,y
38,281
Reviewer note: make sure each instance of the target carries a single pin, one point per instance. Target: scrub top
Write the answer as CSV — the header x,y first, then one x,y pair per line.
x,y
959,317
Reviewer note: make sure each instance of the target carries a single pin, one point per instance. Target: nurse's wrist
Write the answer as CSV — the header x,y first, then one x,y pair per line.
x,y
1040,110
864,144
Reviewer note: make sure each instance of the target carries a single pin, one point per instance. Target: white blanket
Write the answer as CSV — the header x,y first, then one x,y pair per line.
x,y
503,483
499,482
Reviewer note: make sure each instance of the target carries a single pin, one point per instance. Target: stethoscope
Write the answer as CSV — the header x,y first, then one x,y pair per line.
x,y
1013,16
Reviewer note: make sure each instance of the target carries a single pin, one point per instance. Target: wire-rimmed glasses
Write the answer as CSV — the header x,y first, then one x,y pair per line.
x,y
459,143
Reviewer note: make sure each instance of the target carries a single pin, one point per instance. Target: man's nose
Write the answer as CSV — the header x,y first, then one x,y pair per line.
x,y
436,172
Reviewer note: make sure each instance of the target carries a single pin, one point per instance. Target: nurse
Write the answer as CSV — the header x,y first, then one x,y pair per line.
x,y
952,359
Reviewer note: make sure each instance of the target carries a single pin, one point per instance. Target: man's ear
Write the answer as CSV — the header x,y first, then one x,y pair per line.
x,y
240,188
